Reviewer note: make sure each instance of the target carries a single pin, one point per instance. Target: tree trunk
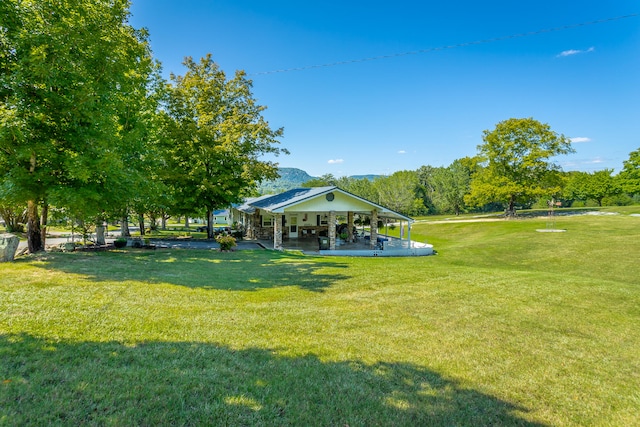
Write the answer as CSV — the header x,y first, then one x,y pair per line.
x,y
511,210
210,223
186,221
141,224
124,227
164,221
44,215
153,221
34,235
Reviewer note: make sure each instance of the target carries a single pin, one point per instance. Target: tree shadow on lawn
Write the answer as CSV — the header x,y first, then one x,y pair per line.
x,y
46,382
242,270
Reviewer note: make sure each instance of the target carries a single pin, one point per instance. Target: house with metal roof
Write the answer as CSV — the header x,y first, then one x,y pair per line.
x,y
326,215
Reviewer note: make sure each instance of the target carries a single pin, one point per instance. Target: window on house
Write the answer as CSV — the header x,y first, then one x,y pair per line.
x,y
267,221
321,220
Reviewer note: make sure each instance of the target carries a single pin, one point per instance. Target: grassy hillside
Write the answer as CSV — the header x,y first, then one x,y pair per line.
x,y
505,326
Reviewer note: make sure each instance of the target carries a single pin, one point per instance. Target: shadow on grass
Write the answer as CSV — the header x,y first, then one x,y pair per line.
x,y
43,382
242,270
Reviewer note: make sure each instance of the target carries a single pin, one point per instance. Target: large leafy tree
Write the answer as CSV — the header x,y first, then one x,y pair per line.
x,y
595,186
426,188
399,192
69,72
630,175
518,167
362,187
215,137
451,185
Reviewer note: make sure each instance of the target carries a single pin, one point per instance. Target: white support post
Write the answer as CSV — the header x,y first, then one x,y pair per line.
x,y
277,232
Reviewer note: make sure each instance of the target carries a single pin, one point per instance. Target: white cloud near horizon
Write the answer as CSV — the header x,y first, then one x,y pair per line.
x,y
335,161
572,52
402,152
580,139
585,165
594,161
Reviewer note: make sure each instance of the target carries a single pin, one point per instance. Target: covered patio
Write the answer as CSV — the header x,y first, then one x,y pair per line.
x,y
322,220
388,247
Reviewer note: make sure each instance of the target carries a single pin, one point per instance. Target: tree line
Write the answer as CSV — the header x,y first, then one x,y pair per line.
x,y
90,131
513,168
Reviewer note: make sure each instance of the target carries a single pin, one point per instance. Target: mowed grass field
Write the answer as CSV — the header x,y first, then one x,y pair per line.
x,y
505,326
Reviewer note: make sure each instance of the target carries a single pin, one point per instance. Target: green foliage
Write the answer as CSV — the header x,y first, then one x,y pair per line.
x,y
120,242
426,188
362,187
591,186
617,200
629,177
73,74
213,137
14,217
398,191
323,181
451,184
226,242
517,165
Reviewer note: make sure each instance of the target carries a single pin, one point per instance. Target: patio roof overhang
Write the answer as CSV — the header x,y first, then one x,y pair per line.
x,y
322,199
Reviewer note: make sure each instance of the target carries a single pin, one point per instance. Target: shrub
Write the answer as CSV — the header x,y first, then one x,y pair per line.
x,y
120,242
226,242
617,200
15,228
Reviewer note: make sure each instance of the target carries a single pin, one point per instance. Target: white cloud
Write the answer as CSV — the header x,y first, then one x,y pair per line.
x,y
580,139
402,152
335,161
595,161
572,52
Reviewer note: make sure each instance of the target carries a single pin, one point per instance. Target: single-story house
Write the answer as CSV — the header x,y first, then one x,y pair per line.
x,y
304,213
221,216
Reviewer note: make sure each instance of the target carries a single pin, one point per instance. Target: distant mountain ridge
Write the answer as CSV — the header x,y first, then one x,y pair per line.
x,y
294,178
289,178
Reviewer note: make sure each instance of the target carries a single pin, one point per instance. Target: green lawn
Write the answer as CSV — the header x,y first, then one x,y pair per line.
x,y
505,326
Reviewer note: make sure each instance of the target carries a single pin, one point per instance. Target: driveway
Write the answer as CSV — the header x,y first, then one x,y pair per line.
x,y
160,243
201,244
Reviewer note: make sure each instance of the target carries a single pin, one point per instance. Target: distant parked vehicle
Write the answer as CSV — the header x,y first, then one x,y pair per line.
x,y
216,229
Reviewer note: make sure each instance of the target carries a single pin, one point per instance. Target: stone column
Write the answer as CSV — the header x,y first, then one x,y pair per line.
x,y
350,226
374,228
277,232
332,230
252,221
8,247
100,233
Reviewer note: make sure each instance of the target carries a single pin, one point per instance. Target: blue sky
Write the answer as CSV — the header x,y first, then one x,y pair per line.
x,y
405,109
